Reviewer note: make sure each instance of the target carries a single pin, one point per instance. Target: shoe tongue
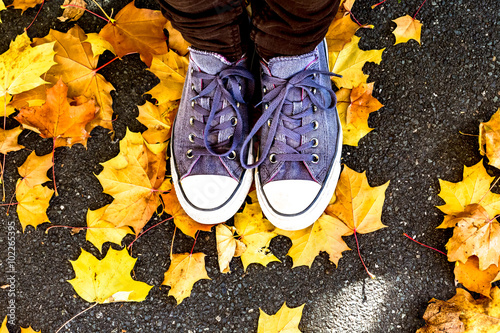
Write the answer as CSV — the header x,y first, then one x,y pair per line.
x,y
285,67
209,62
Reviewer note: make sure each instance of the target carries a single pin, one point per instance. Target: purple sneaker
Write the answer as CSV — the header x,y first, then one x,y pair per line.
x,y
207,136
300,139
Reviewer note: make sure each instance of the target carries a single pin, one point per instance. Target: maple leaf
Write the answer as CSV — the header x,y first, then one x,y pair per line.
x,y
3,328
34,169
100,231
358,205
32,97
489,139
133,178
475,234
187,225
22,65
2,7
285,320
25,4
462,313
474,188
77,66
171,69
256,233
135,30
59,119
107,280
340,33
473,278
158,120
175,40
28,330
184,271
349,63
407,28
72,13
228,246
32,204
99,44
8,140
324,235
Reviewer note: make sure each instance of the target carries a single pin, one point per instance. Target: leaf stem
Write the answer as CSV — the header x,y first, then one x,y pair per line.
x,y
110,20
9,204
172,244
54,165
82,312
85,9
142,233
377,4
419,9
195,238
405,234
362,261
354,17
39,10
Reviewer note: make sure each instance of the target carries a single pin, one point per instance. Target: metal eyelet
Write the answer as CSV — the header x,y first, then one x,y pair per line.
x,y
189,153
238,105
264,90
272,158
266,106
193,103
315,158
229,138
232,155
234,121
315,75
191,121
269,122
191,137
315,142
315,108
239,86
192,70
192,87
313,90
315,124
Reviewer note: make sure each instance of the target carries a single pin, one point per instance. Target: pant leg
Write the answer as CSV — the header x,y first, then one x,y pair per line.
x,y
290,27
212,25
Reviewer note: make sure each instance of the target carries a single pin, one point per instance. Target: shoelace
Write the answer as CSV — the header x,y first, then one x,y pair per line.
x,y
278,110
232,78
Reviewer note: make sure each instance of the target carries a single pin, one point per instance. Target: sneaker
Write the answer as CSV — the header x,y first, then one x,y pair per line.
x,y
207,136
300,139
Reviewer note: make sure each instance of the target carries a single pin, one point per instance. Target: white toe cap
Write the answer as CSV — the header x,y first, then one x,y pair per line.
x,y
291,196
208,191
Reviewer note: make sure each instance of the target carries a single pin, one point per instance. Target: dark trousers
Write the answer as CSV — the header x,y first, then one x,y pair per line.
x,y
277,27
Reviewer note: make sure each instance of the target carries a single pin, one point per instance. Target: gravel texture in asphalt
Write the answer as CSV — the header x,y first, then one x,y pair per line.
x,y
432,93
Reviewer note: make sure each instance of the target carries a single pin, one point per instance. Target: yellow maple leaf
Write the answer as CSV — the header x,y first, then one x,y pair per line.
x,y
228,246
462,313
489,139
100,231
175,40
358,205
407,28
184,271
29,330
474,188
256,233
171,69
3,328
32,97
158,120
22,65
285,320
187,225
32,204
473,278
349,63
324,235
25,4
133,179
340,33
99,44
8,140
2,7
137,30
34,169
475,234
107,280
77,65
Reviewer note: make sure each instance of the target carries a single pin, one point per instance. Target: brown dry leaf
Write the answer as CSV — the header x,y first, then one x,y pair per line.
x,y
34,169
228,246
407,28
175,40
135,30
358,205
76,65
25,4
59,118
32,204
158,120
489,139
473,278
286,320
187,225
462,313
324,235
171,69
73,13
8,140
475,234
184,271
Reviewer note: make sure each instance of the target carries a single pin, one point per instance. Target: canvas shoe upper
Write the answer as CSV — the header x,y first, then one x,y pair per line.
x,y
207,136
300,139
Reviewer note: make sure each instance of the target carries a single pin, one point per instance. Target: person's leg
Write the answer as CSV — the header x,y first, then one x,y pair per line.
x,y
290,27
219,26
